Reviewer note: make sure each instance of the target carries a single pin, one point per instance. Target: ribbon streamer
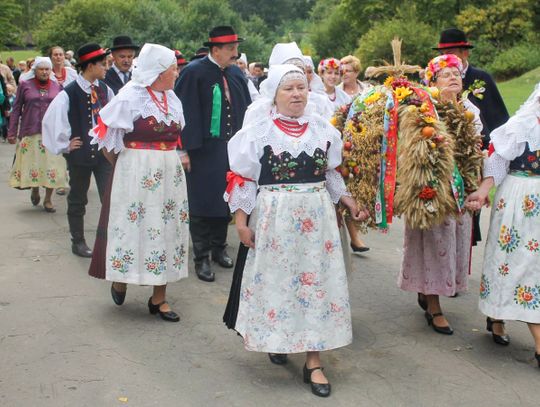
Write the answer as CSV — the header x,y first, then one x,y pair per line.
x,y
215,123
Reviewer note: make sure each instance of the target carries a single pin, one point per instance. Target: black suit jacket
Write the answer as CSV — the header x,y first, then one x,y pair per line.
x,y
113,81
493,112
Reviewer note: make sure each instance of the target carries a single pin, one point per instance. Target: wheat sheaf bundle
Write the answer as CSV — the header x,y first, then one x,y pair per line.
x,y
467,153
365,132
423,162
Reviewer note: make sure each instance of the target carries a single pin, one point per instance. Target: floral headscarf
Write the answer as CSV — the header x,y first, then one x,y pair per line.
x,y
328,63
440,62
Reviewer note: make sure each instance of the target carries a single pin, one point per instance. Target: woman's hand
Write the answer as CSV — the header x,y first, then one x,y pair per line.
x,y
12,139
479,198
186,163
356,213
246,235
74,144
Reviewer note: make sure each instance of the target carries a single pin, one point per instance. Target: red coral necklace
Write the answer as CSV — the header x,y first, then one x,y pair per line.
x,y
291,127
162,106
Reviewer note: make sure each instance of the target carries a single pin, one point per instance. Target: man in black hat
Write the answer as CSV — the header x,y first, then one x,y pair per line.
x,y
65,128
123,51
215,97
200,53
483,90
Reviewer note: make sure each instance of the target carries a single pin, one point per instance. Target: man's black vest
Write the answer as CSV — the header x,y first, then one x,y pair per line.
x,y
80,121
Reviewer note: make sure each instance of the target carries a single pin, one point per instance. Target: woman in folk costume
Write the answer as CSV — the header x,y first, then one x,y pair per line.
x,y
142,236
291,295
329,69
436,261
510,284
34,166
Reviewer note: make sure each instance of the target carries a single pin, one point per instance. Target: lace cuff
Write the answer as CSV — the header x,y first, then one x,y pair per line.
x,y
335,185
242,197
497,167
113,140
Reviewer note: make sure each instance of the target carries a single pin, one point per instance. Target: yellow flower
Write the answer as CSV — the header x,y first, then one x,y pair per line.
x,y
402,92
388,81
372,98
333,121
429,119
435,92
442,64
424,108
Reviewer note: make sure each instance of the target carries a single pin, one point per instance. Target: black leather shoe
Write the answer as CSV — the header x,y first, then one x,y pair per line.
x,y
498,339
445,330
117,296
170,316
81,249
278,358
319,389
537,356
204,271
359,249
223,259
422,301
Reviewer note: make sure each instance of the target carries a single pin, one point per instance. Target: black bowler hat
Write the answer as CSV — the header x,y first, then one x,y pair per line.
x,y
200,53
90,52
224,34
123,42
453,38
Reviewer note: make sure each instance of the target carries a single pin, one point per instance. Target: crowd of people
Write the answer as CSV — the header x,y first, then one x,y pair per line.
x,y
177,146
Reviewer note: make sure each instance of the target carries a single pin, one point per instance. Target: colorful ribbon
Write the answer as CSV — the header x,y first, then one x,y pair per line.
x,y
234,179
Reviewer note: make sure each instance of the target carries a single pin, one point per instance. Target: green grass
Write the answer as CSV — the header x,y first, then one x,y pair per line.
x,y
18,55
517,90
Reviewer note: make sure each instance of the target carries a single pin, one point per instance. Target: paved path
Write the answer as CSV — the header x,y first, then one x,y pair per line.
x,y
64,343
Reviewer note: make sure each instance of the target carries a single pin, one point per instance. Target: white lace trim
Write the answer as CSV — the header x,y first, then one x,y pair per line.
x,y
242,197
317,135
134,101
497,167
335,185
275,115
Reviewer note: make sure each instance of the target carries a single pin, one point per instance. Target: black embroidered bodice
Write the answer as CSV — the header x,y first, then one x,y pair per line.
x,y
285,169
527,162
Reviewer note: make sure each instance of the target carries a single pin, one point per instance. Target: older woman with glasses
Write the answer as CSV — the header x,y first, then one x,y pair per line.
x,y
291,296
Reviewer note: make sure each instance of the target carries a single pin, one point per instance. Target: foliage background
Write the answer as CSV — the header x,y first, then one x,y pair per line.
x,y
505,32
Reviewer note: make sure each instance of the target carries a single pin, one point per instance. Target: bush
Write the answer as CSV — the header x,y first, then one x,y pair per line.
x,y
418,38
515,61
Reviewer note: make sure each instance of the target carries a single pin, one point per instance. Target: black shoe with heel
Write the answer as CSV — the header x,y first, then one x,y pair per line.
x,y
222,258
278,358
81,249
498,339
445,330
117,296
319,389
170,316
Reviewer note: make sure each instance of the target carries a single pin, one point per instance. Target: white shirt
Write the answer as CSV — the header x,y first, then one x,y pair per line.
x,y
121,74
55,127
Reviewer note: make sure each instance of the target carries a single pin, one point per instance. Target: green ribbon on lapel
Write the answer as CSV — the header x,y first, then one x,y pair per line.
x,y
215,123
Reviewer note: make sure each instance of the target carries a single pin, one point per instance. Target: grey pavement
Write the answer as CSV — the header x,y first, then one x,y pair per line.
x,y
64,343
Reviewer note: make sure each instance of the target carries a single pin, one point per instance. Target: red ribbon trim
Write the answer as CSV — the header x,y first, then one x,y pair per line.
x,y
234,179
491,149
181,61
92,55
453,44
100,129
224,38
391,162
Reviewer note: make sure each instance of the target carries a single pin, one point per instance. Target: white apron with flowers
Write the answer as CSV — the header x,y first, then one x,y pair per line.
x,y
147,235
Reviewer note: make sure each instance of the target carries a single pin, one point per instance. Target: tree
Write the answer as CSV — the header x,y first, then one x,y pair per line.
x,y
10,11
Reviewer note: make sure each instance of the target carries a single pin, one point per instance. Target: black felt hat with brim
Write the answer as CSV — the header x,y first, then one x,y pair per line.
x,y
90,52
123,42
224,34
453,38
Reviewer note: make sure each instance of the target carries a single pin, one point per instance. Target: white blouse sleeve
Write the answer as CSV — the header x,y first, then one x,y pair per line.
x,y
497,167
55,127
477,121
243,161
334,181
118,115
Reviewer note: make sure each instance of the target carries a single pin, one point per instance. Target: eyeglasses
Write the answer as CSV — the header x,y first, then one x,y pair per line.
x,y
447,75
